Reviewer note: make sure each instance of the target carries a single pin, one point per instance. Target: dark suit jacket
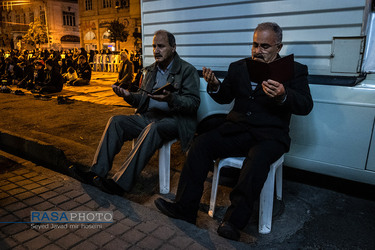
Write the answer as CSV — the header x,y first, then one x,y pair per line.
x,y
254,111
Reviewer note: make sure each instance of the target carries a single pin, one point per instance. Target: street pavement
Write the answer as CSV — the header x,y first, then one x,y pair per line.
x,y
98,91
27,187
317,212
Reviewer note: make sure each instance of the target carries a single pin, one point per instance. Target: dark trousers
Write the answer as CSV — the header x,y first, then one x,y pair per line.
x,y
215,144
151,132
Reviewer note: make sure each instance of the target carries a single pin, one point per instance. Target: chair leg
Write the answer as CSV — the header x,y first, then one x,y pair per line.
x,y
164,167
279,182
266,203
215,182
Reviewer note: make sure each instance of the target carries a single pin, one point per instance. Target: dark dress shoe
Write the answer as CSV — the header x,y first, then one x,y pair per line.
x,y
173,210
229,231
108,186
82,176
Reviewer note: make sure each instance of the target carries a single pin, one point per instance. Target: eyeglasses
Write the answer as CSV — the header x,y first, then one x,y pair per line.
x,y
264,46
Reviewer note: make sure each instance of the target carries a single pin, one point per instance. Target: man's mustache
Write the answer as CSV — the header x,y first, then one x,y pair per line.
x,y
259,56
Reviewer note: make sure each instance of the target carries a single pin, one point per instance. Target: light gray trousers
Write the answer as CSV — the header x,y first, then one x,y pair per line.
x,y
151,130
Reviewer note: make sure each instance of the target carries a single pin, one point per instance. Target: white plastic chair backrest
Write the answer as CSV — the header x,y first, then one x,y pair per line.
x,y
208,106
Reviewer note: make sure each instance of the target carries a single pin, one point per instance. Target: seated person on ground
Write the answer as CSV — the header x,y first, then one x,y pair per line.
x,y
70,76
83,72
8,76
126,71
53,82
38,75
23,74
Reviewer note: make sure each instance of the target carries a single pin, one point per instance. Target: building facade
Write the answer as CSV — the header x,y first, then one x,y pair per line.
x,y
61,18
95,17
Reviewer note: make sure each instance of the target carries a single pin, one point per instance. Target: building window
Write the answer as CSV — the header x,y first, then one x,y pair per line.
x,y
24,18
107,3
18,19
89,36
31,17
43,17
9,19
88,4
106,35
69,18
121,4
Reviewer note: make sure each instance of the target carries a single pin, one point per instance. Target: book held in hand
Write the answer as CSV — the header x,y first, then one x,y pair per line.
x,y
281,70
169,87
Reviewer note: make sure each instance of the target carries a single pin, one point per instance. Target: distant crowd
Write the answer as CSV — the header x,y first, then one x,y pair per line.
x,y
46,71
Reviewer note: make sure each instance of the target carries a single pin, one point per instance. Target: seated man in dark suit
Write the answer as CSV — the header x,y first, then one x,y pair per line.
x,y
257,127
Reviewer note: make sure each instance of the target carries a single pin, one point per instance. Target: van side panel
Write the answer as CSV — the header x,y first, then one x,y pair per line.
x,y
337,137
215,33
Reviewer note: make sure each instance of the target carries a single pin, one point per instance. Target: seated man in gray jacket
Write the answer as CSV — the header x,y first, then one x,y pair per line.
x,y
159,118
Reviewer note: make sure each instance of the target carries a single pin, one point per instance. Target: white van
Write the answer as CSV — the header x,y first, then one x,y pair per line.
x,y
333,38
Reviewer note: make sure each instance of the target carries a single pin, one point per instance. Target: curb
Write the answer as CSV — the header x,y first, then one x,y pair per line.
x,y
38,151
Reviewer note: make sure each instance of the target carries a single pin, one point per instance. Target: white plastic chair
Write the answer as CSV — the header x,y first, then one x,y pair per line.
x,y
97,62
117,63
101,62
164,166
112,63
266,196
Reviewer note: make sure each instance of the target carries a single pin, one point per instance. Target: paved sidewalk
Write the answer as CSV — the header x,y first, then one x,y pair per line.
x,y
27,187
314,217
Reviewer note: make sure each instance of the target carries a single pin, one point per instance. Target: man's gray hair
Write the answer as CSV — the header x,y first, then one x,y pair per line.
x,y
271,26
171,38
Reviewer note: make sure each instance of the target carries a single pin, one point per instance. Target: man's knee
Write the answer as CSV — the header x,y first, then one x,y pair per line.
x,y
202,144
153,128
115,122
166,130
266,152
115,119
